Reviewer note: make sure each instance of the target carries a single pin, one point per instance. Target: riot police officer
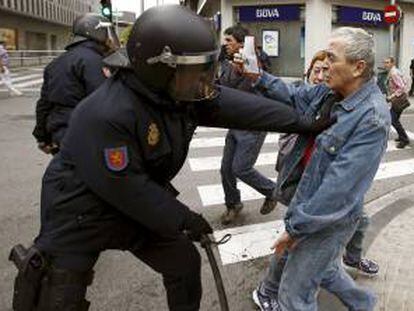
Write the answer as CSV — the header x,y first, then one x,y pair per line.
x,y
109,186
71,77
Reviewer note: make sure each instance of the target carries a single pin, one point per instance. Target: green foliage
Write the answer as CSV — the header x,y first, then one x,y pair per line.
x,y
123,37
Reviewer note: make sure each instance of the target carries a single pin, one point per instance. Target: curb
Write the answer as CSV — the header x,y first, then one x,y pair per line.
x,y
378,204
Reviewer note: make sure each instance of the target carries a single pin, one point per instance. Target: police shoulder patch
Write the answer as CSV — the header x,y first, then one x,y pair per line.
x,y
116,159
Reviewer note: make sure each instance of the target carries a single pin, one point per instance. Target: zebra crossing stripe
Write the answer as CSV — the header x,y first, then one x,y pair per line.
x,y
266,158
248,242
209,142
28,83
26,77
214,163
202,129
213,194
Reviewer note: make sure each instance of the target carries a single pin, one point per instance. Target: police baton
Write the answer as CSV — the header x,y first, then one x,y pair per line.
x,y
207,243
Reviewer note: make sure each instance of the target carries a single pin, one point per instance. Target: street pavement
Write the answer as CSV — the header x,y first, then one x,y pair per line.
x,y
123,283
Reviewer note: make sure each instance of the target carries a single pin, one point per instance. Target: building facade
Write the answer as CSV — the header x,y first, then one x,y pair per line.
x,y
291,31
40,24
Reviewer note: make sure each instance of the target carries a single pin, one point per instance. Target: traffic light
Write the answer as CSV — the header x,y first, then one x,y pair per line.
x,y
106,9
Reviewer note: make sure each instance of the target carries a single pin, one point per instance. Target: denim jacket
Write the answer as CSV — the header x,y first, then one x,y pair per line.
x,y
345,159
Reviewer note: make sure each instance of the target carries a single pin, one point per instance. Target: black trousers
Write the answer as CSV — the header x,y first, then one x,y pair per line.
x,y
395,119
177,260
74,232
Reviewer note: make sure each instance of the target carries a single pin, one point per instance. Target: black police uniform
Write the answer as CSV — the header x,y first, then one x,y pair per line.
x,y
67,80
109,186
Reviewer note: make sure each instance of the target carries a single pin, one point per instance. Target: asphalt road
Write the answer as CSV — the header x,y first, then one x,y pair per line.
x,y
122,283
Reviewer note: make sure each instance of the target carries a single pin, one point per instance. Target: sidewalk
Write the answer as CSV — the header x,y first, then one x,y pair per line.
x,y
393,247
390,242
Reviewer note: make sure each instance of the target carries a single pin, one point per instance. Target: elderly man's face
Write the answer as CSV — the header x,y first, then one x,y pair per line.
x,y
343,75
340,70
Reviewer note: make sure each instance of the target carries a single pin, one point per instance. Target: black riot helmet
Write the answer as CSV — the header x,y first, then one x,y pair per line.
x,y
95,27
173,50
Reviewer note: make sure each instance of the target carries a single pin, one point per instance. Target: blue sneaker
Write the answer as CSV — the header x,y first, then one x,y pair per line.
x,y
264,302
365,266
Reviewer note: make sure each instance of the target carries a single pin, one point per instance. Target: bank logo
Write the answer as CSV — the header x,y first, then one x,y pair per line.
x,y
267,13
371,17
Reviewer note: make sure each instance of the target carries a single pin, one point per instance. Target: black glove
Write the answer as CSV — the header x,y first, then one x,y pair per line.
x,y
317,125
324,119
195,226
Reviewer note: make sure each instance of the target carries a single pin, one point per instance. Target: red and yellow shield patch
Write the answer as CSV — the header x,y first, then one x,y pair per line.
x,y
116,159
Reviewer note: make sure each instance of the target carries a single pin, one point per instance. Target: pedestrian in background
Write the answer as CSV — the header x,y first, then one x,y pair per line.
x,y
71,77
314,75
5,77
241,147
396,91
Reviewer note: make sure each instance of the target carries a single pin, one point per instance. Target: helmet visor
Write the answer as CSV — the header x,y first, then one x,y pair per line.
x,y
194,82
112,39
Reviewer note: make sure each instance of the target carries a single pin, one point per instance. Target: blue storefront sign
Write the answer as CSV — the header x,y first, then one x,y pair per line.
x,y
351,15
269,13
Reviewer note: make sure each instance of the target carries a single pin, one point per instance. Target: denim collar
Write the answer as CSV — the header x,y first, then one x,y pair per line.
x,y
357,97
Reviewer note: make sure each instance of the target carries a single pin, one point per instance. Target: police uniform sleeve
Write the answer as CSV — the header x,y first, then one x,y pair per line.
x,y
241,110
107,158
89,70
43,108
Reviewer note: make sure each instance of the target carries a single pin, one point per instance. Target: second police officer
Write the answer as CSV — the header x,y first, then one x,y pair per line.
x,y
109,186
71,77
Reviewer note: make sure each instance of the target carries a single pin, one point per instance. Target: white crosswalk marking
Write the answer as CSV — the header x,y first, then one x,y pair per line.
x,y
213,194
269,158
202,129
26,77
28,83
248,242
209,142
213,163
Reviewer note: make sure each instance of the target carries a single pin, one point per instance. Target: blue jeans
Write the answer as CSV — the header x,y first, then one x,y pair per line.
x,y
354,247
316,262
239,156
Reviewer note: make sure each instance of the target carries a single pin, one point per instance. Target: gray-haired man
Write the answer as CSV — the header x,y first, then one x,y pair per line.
x,y
339,169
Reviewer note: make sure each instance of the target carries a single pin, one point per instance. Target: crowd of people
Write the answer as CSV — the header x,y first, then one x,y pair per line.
x,y
119,131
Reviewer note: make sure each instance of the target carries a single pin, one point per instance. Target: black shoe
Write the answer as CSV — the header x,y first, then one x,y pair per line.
x,y
364,266
231,213
401,144
268,205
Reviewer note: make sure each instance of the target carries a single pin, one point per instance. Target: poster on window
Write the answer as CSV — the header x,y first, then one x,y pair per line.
x,y
10,38
270,41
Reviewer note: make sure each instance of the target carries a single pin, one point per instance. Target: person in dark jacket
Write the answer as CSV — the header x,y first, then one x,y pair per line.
x,y
241,147
71,77
109,186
